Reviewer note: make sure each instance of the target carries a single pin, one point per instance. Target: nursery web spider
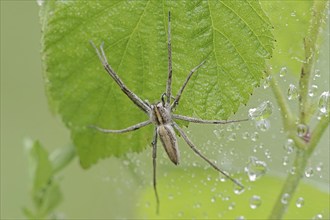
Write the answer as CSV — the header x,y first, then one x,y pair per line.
x,y
162,116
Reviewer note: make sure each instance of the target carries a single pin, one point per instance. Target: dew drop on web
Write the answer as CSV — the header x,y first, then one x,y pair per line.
x,y
292,92
255,202
312,90
300,202
324,103
289,146
285,198
283,72
318,216
255,168
263,111
309,172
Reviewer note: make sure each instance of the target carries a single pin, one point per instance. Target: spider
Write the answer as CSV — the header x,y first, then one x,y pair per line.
x,y
162,116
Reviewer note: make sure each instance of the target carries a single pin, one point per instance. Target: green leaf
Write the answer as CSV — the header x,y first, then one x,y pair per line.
x,y
28,213
46,192
233,37
61,157
40,168
51,198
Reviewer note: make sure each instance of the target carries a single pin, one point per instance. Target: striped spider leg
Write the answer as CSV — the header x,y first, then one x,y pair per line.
x,y
160,114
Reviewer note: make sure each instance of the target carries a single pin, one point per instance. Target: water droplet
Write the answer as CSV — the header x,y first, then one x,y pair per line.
x,y
319,167
40,2
285,160
302,131
197,205
293,14
312,90
222,178
237,127
309,172
170,197
285,198
263,111
232,136
254,136
283,71
245,135
324,102
219,133
232,206
255,202
293,170
292,92
317,74
230,127
240,218
289,146
266,83
126,162
238,190
318,216
255,168
263,125
300,202
268,154
213,199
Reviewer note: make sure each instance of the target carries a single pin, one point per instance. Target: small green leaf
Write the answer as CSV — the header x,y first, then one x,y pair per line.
x,y
28,213
46,193
61,157
233,37
40,167
51,198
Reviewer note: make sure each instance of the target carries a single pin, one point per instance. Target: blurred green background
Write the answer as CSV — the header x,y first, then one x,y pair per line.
x,y
122,187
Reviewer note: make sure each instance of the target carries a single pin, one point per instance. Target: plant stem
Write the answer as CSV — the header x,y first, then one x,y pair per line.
x,y
317,132
311,50
286,113
299,167
305,147
289,122
290,185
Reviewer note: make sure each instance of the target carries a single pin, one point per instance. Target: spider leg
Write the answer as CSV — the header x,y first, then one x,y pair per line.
x,y
192,146
178,96
202,121
154,155
135,99
131,128
169,50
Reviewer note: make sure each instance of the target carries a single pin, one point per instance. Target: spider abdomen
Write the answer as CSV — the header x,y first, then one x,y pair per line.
x,y
167,136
